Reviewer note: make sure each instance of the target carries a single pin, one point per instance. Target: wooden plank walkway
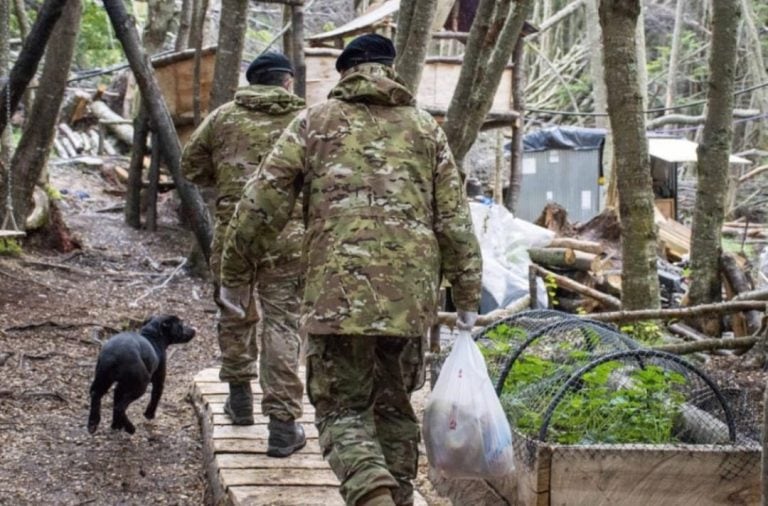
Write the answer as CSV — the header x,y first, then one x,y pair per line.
x,y
237,467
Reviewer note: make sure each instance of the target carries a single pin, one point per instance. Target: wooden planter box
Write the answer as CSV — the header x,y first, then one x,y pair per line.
x,y
629,475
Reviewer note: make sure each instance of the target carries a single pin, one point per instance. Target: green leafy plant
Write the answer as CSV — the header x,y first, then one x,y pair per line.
x,y
551,285
647,332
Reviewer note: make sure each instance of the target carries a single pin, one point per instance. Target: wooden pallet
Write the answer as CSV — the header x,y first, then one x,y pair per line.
x,y
237,467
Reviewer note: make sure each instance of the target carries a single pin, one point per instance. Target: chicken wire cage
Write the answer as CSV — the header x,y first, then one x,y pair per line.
x,y
572,381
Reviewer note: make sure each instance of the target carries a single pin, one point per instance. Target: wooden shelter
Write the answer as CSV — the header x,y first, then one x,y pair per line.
x,y
441,68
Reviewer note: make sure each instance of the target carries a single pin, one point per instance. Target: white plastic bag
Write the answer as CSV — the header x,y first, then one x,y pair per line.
x,y
466,432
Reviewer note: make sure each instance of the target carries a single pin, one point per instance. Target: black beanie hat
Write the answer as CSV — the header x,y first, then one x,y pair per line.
x,y
268,62
370,47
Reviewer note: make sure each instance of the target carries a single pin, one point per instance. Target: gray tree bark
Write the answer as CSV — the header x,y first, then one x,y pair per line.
x,y
185,23
492,38
135,169
640,284
674,55
192,205
713,153
518,104
159,22
31,52
297,49
414,32
226,73
36,142
21,17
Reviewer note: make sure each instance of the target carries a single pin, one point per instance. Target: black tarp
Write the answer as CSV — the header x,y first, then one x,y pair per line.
x,y
564,137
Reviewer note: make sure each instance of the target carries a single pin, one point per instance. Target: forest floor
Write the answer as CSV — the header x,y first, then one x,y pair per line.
x,y
55,311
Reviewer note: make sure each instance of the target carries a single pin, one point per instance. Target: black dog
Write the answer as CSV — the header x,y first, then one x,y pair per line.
x,y
133,360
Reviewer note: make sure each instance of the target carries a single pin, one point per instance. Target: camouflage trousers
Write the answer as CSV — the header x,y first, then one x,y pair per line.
x,y
277,332
368,430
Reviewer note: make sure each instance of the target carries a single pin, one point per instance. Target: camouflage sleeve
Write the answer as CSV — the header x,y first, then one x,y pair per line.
x,y
265,207
197,158
461,261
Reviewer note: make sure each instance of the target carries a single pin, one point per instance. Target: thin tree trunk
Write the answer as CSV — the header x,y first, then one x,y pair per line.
x,y
196,99
491,41
135,169
518,127
37,140
185,23
152,187
159,20
21,17
226,73
288,35
674,55
299,65
31,52
640,283
192,204
756,64
414,32
6,140
713,154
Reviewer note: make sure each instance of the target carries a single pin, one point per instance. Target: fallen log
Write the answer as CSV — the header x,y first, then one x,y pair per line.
x,y
555,257
709,345
571,285
577,244
761,294
119,126
682,312
73,137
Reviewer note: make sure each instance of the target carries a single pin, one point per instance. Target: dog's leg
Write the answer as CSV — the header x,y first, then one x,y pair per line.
x,y
158,382
125,394
99,387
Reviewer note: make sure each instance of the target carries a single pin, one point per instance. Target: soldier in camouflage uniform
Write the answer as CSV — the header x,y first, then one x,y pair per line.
x,y
386,213
224,152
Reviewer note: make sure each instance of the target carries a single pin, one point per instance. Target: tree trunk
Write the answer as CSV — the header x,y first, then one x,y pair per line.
x,y
185,23
640,283
159,21
297,48
6,137
31,52
153,186
37,140
755,61
192,205
492,38
135,170
674,54
414,33
518,127
226,73
21,17
199,28
713,153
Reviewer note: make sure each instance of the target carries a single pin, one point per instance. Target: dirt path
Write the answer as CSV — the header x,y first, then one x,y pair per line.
x,y
54,310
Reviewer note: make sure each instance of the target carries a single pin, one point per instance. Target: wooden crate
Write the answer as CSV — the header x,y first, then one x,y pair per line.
x,y
635,475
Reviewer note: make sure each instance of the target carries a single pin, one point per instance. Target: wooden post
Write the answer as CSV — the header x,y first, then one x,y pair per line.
x,y
297,45
135,170
193,207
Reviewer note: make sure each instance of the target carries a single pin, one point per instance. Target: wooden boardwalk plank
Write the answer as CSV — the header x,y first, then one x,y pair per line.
x,y
238,469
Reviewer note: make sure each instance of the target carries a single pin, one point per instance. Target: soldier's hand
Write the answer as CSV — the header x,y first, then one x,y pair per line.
x,y
465,320
235,301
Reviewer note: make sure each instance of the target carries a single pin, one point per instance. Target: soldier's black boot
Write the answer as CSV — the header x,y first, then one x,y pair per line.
x,y
285,438
239,404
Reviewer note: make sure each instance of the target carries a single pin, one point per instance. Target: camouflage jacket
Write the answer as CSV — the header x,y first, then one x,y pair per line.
x,y
225,151
384,207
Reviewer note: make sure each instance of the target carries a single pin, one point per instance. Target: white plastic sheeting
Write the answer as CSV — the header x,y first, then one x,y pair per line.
x,y
504,241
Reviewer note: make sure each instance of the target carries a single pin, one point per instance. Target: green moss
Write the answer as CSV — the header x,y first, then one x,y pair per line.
x,y
10,247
